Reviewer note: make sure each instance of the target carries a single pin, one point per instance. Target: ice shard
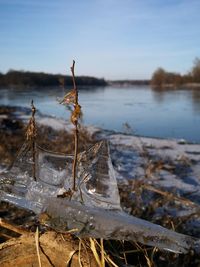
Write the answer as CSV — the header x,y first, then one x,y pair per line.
x,y
101,223
96,181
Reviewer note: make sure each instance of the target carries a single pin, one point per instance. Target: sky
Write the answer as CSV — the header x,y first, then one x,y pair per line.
x,y
111,39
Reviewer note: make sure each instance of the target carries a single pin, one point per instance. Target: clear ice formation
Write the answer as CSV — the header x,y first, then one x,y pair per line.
x,y
94,209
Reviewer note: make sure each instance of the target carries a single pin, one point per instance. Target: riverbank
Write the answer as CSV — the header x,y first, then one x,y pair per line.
x,y
168,164
14,78
176,86
158,179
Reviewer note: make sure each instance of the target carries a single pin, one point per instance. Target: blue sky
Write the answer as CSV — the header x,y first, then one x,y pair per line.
x,y
114,39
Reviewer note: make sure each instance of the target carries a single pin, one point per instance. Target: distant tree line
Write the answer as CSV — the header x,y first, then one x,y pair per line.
x,y
40,79
162,78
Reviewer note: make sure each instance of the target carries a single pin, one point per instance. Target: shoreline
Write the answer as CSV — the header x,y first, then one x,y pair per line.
x,y
158,179
56,123
177,87
120,84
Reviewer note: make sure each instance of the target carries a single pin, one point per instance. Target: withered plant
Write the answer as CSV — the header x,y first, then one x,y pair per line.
x,y
31,134
71,98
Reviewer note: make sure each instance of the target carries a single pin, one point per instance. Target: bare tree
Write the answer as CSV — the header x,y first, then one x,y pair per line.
x,y
196,70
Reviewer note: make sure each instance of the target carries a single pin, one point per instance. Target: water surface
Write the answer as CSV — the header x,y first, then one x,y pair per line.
x,y
138,109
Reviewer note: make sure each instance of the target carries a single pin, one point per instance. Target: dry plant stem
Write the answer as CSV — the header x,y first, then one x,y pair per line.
x,y
182,200
33,155
33,137
7,225
75,130
37,246
7,236
75,155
